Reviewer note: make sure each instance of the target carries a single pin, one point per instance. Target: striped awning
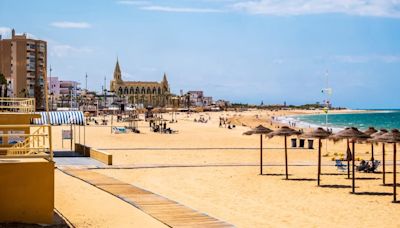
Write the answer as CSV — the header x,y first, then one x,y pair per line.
x,y
61,117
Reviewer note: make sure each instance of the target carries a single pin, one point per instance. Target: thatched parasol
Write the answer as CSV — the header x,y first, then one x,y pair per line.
x,y
371,131
353,134
320,134
259,130
373,139
285,132
394,138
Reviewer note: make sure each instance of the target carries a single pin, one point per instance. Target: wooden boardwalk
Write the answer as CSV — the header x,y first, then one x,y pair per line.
x,y
165,210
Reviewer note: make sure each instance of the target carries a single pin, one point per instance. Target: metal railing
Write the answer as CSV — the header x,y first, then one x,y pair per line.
x,y
34,145
8,104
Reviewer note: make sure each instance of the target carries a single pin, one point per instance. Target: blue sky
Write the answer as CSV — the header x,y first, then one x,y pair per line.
x,y
240,50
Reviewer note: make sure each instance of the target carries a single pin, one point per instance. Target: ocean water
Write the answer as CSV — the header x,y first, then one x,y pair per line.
x,y
388,119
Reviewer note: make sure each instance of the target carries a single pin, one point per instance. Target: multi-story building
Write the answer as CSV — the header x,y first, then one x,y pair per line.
x,y
63,93
23,62
198,99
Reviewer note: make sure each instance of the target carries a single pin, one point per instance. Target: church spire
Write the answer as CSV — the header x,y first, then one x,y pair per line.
x,y
117,71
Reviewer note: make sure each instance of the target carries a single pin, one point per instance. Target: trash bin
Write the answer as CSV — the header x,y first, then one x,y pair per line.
x,y
301,143
294,143
310,144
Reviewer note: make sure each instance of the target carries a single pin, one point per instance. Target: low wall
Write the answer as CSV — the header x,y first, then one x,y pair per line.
x,y
99,155
27,191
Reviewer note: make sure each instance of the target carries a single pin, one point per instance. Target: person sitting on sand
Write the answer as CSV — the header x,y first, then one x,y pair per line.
x,y
363,166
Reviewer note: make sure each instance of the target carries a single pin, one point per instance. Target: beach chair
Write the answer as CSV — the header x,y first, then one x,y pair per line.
x,y
119,130
340,166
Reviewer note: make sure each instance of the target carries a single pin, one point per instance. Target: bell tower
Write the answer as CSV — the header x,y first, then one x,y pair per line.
x,y
117,79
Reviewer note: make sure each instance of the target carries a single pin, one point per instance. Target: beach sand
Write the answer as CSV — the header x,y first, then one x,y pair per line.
x,y
215,170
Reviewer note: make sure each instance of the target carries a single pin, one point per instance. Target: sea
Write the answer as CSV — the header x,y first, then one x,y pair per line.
x,y
388,119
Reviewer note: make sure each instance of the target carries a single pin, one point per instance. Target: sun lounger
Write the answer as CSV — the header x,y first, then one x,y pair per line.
x,y
340,166
119,130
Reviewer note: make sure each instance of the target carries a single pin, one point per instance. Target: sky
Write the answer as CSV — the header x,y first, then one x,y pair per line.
x,y
244,51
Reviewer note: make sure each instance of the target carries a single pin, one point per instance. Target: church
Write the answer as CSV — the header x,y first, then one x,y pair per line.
x,y
146,93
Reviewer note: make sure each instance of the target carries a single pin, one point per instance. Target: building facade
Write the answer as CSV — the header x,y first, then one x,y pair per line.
x,y
23,62
198,99
63,93
141,93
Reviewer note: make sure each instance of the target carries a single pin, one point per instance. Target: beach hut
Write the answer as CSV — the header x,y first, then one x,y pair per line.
x,y
260,130
373,138
319,134
370,131
354,135
394,138
285,132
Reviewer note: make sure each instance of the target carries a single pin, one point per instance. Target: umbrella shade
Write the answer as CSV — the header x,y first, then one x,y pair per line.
x,y
392,137
370,131
318,133
350,133
354,134
284,131
389,137
373,139
374,136
258,130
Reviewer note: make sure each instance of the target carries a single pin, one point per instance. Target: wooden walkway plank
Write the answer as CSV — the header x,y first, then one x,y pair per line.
x,y
165,210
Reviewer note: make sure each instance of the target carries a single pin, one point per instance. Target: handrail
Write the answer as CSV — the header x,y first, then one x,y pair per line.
x,y
17,104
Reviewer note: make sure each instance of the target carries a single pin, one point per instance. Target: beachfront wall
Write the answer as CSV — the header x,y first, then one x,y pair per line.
x,y
99,155
27,191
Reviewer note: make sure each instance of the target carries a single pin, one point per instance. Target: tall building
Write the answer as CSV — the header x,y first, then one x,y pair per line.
x,y
23,62
144,93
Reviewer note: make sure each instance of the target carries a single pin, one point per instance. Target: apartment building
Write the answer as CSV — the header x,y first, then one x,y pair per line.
x,y
23,62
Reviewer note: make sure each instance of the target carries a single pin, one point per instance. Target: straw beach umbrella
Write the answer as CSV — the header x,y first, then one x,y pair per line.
x,y
259,130
354,135
320,134
370,132
394,138
374,139
285,132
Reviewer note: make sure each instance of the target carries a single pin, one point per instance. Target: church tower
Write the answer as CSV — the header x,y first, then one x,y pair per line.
x,y
164,83
117,72
117,79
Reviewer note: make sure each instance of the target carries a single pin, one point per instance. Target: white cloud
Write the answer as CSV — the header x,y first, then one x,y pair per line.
x,y
376,8
70,25
63,50
180,9
5,32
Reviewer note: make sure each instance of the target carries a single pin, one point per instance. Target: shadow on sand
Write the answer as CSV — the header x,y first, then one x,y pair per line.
x,y
302,179
274,174
334,186
373,193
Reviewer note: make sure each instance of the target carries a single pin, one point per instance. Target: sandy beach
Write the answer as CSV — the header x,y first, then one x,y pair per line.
x,y
214,170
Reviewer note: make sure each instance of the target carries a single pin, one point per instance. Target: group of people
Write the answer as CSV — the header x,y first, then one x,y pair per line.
x,y
202,119
368,166
223,122
161,127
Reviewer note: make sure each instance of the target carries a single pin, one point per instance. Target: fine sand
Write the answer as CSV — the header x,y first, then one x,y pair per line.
x,y
214,170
